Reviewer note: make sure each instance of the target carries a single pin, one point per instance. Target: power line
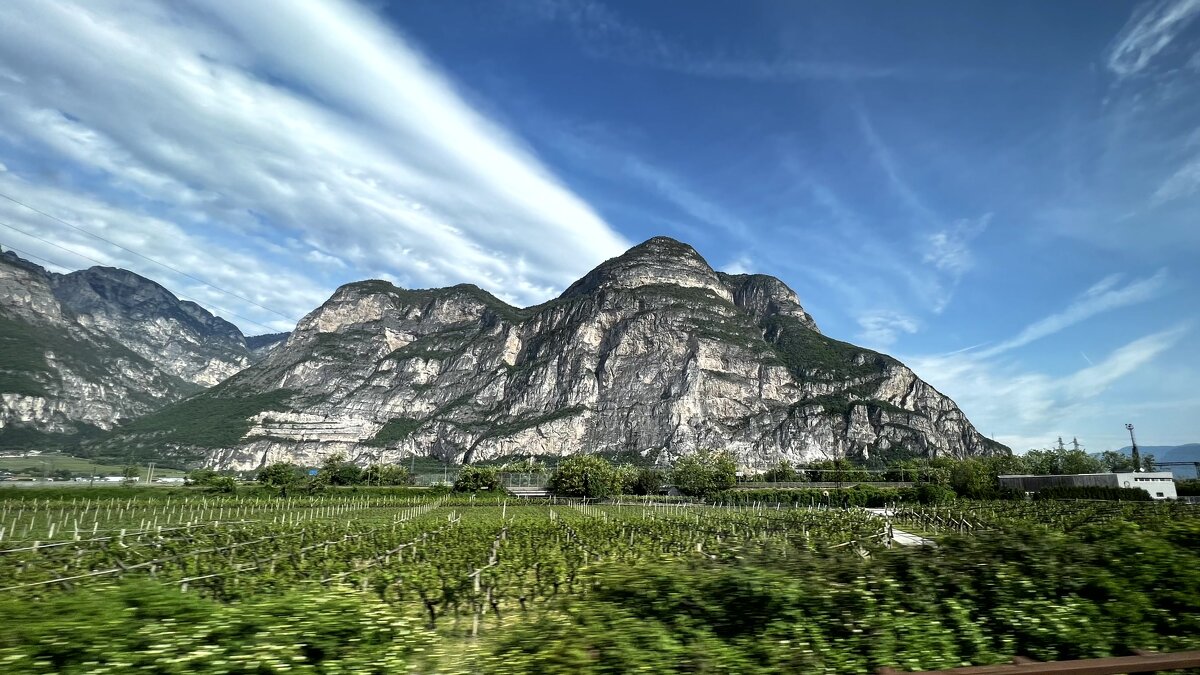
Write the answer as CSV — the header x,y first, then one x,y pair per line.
x,y
146,257
224,311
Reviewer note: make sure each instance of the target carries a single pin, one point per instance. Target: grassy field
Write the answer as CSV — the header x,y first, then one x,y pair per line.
x,y
76,465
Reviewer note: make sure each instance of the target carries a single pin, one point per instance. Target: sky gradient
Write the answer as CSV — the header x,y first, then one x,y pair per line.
x,y
1002,195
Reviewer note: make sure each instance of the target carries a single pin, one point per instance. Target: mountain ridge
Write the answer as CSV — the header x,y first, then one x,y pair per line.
x,y
625,359
87,350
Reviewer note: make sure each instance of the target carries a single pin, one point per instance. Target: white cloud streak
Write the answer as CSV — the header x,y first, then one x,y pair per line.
x,y
1026,408
1148,32
881,328
1101,297
271,121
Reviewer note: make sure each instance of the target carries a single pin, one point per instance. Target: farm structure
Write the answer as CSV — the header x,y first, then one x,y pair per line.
x,y
1160,484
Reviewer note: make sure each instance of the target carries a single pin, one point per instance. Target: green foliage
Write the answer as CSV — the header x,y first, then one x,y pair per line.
x,y
386,474
704,474
396,429
1093,492
148,627
207,478
472,478
1055,461
1188,488
586,588
646,482
783,473
213,419
335,470
585,475
1042,596
806,351
281,475
27,438
857,496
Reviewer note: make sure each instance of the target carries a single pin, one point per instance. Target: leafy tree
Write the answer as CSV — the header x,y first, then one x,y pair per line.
x,y
473,478
974,478
784,473
626,475
585,475
1059,461
704,474
207,478
386,474
280,475
223,484
647,482
337,471
202,477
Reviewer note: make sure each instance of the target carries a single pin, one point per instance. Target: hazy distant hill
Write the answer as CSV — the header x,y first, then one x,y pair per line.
x,y
1189,452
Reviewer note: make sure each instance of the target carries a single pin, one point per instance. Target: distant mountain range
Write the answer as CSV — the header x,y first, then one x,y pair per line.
x,y
652,352
1189,452
82,352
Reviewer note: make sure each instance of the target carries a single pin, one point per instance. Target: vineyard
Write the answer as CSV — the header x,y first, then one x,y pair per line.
x,y
481,584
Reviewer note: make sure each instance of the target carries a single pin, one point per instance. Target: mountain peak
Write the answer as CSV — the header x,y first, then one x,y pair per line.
x,y
658,260
764,296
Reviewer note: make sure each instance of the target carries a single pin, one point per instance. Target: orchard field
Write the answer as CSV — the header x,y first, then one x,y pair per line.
x,y
412,580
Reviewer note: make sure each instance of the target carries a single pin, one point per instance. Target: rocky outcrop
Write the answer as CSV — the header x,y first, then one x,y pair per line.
x,y
652,352
177,336
92,348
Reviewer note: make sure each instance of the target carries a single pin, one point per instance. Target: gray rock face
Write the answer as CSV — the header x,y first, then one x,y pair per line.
x,y
651,352
93,347
178,336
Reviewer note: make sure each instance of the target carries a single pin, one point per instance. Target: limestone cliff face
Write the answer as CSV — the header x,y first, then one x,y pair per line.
x,y
178,336
651,352
57,375
101,345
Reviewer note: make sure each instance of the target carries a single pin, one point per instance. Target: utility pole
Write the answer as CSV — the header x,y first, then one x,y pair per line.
x,y
1137,456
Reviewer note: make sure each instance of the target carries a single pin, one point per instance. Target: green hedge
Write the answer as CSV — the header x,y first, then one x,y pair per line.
x,y
1188,488
859,495
1120,494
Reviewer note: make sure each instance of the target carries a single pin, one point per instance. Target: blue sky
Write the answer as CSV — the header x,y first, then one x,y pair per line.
x,y
1004,195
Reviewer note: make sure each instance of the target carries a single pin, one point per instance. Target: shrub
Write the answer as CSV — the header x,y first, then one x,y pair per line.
x,y
647,482
1121,494
386,474
1188,488
704,474
585,476
337,471
281,475
473,478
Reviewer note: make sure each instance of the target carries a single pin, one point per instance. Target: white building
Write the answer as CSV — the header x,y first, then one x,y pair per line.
x,y
1160,484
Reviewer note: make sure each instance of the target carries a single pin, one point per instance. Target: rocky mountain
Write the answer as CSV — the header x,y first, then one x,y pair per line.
x,y
91,348
651,352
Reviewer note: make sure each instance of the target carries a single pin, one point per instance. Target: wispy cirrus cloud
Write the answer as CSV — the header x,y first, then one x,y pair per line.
x,y
881,328
1150,30
948,249
1030,408
256,124
603,33
1104,296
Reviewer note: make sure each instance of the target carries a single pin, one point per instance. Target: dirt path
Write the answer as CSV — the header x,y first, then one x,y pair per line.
x,y
900,537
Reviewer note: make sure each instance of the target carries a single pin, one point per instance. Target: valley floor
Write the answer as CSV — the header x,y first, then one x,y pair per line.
x,y
404,580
